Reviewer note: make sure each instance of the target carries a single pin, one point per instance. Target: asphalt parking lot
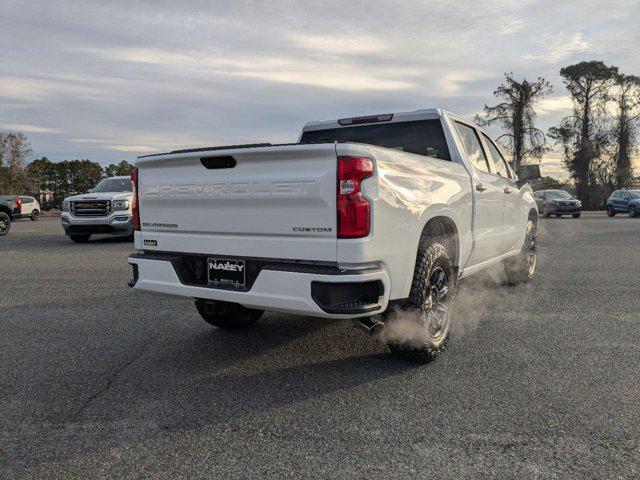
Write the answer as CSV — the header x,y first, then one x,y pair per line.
x,y
538,381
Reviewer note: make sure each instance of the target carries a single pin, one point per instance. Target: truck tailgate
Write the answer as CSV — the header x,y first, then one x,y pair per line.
x,y
269,202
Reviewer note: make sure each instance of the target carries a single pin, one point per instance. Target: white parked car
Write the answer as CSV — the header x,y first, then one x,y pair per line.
x,y
29,208
374,218
106,209
14,207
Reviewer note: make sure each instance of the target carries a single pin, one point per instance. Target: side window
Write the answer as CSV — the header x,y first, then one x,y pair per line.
x,y
26,199
498,161
615,195
624,195
472,145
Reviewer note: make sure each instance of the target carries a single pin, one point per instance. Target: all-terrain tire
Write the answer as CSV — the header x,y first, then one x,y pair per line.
x,y
35,215
610,211
5,224
425,345
231,316
523,267
80,238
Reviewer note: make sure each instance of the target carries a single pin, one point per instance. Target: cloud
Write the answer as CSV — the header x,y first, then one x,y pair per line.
x,y
558,47
452,83
512,26
28,128
555,104
318,72
132,148
340,45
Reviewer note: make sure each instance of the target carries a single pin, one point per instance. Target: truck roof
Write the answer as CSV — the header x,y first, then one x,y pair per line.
x,y
422,114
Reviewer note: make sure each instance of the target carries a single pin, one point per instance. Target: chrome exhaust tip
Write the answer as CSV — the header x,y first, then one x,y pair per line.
x,y
370,325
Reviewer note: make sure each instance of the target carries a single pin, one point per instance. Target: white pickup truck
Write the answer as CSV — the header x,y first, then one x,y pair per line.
x,y
106,209
374,218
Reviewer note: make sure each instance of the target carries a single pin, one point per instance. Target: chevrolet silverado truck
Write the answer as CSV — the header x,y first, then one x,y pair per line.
x,y
106,209
368,218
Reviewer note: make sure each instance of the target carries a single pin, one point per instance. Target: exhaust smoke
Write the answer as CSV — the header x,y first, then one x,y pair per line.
x,y
475,297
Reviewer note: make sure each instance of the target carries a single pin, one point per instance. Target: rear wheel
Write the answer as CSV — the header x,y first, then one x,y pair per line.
x,y
5,224
80,238
523,267
35,215
576,215
420,330
610,211
633,212
227,315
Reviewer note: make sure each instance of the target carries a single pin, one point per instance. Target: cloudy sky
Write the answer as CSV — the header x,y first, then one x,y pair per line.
x,y
112,80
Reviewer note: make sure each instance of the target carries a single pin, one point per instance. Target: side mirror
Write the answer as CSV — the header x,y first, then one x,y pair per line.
x,y
527,173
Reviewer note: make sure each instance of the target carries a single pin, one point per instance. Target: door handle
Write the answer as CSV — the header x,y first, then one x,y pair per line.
x,y
507,190
480,187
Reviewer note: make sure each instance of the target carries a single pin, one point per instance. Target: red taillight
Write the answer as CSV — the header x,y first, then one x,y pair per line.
x,y
354,211
135,207
19,205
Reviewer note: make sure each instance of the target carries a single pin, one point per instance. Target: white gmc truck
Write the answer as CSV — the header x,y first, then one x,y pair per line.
x,y
372,218
106,209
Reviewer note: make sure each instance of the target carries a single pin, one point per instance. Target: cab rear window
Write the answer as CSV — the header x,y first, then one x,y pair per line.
x,y
423,137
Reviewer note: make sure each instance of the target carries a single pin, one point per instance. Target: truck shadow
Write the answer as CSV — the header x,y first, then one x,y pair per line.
x,y
217,376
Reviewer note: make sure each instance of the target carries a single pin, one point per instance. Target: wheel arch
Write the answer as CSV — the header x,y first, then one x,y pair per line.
x,y
7,210
443,227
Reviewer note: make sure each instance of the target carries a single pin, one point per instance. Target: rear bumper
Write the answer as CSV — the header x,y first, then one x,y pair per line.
x,y
305,291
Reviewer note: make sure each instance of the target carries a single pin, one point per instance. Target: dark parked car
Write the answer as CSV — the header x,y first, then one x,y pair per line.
x,y
624,201
10,209
558,203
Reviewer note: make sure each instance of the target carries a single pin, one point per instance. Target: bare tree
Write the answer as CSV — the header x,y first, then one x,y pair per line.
x,y
516,115
14,150
584,135
627,102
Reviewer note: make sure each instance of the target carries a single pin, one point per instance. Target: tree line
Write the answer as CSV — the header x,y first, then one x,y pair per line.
x,y
49,182
597,140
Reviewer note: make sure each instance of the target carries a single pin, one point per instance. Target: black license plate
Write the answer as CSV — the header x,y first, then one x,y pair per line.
x,y
227,271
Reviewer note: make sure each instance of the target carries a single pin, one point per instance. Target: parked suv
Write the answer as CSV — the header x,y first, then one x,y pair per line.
x,y
105,209
30,208
558,203
624,201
